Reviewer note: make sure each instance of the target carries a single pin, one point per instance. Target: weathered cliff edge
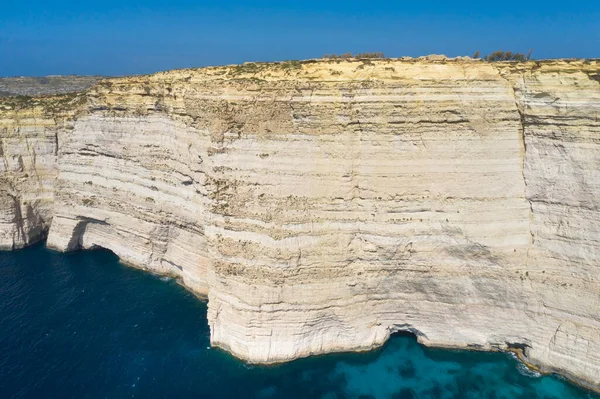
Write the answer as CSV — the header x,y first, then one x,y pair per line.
x,y
323,205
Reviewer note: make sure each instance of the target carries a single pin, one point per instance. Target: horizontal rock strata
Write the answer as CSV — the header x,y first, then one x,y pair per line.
x,y
324,205
29,135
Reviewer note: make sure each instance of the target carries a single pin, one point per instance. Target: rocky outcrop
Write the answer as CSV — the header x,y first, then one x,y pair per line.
x,y
323,205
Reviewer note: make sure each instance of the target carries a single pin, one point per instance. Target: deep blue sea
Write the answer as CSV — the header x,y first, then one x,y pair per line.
x,y
83,326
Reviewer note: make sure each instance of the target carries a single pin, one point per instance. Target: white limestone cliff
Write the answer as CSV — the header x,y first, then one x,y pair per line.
x,y
322,206
29,131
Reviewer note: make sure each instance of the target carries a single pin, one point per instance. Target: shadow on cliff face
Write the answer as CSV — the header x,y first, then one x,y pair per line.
x,y
472,251
76,250
75,242
104,252
29,225
594,76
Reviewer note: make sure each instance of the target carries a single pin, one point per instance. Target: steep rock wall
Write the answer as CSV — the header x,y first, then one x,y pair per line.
x,y
562,175
322,206
29,135
134,185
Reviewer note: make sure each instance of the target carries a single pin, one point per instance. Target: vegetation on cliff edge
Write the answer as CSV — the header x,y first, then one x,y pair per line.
x,y
505,56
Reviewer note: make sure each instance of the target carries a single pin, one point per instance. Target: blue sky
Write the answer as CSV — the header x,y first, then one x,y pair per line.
x,y
120,37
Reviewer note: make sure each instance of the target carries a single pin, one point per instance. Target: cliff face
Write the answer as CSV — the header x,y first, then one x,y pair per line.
x,y
29,134
562,176
322,206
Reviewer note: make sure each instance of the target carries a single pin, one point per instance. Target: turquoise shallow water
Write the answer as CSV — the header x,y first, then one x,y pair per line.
x,y
83,326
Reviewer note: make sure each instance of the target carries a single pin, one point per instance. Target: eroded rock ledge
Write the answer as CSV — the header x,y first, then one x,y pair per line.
x,y
323,205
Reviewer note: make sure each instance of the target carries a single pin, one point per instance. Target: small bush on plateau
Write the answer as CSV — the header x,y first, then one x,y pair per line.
x,y
506,56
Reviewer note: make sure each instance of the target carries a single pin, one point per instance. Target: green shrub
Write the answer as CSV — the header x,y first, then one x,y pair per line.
x,y
507,56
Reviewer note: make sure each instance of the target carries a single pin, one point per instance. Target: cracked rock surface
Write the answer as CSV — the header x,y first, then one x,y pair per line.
x,y
323,205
